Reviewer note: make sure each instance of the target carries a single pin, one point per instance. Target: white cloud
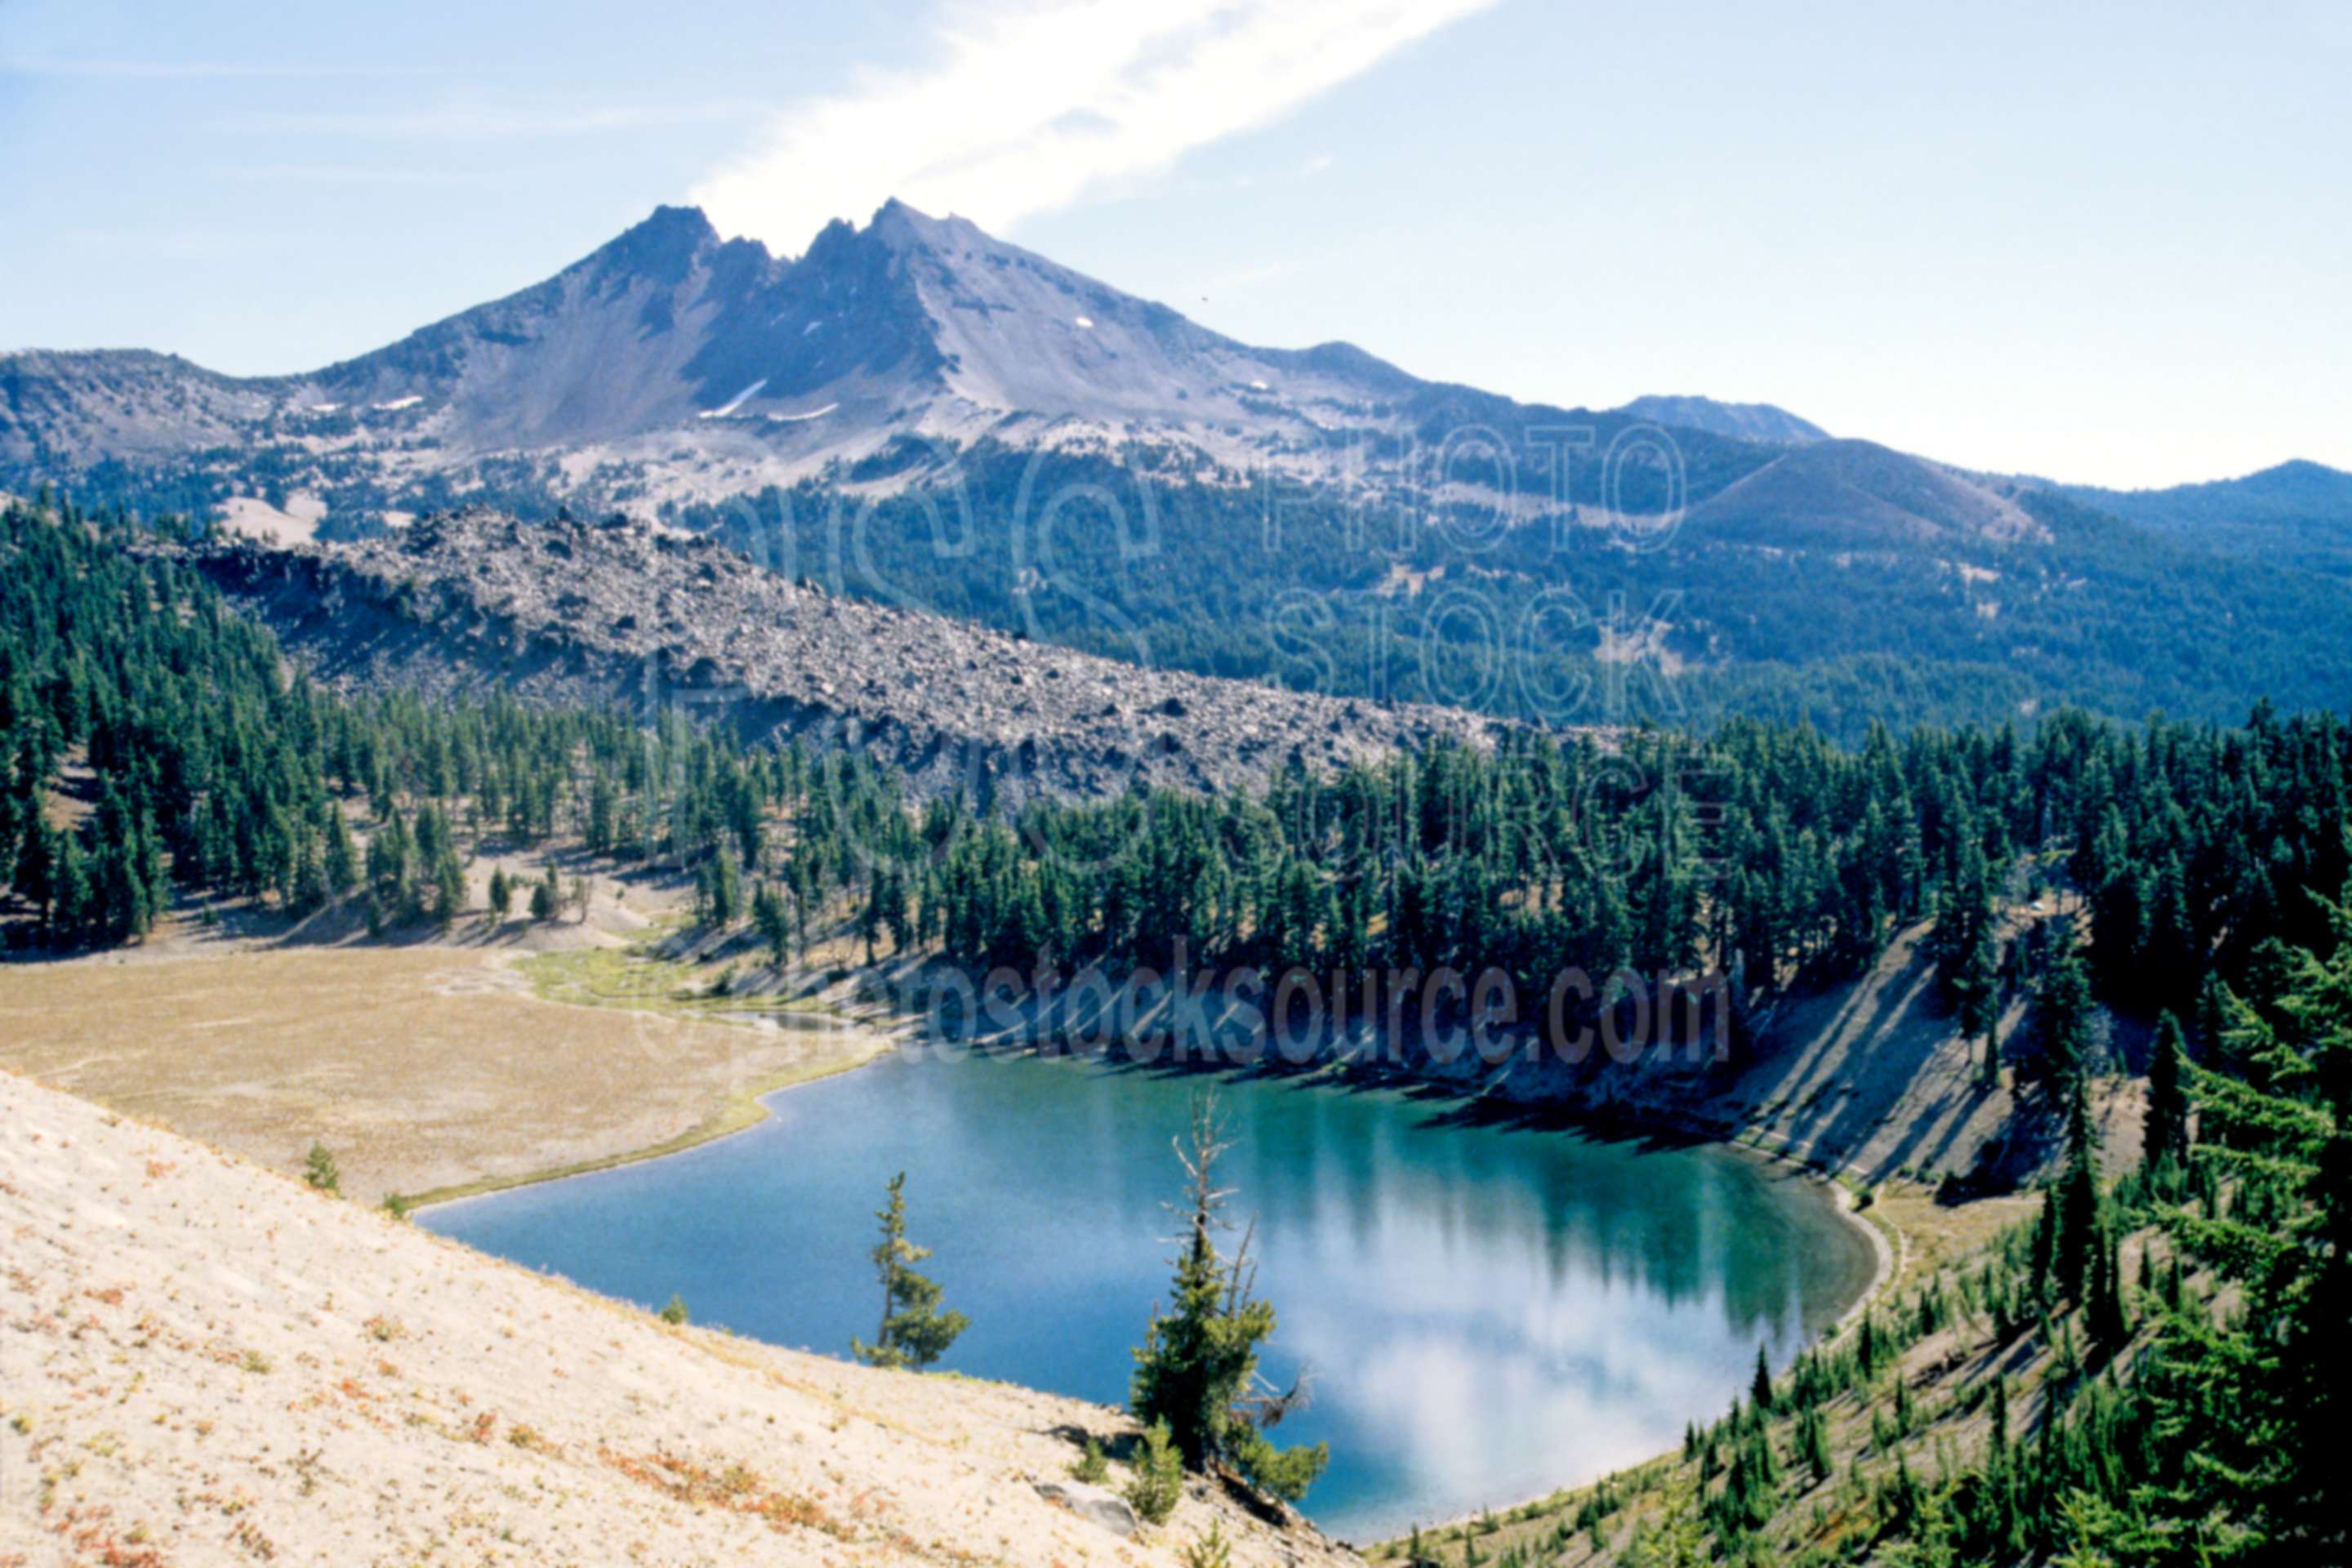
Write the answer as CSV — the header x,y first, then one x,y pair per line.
x,y
1032,106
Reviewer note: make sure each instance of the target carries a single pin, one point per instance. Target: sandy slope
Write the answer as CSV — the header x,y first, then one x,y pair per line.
x,y
204,1362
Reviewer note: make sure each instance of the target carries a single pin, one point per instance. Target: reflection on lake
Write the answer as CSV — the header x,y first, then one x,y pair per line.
x,y
1487,1312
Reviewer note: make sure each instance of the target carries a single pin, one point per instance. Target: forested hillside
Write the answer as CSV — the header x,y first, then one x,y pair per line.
x,y
1804,599
159,746
2298,512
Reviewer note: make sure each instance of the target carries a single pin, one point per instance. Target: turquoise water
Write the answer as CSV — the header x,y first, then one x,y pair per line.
x,y
1487,1312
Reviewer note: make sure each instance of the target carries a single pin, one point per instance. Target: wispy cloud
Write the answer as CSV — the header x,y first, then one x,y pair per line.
x,y
1033,106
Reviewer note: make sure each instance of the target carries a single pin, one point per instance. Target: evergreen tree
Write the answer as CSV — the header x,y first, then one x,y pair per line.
x,y
773,922
448,887
2104,1314
914,1330
546,897
1197,1369
2166,1136
2076,1243
1759,1387
2249,1404
2063,1023
320,1172
1981,1005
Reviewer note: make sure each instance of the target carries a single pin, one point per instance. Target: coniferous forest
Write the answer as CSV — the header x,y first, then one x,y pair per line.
x,y
159,757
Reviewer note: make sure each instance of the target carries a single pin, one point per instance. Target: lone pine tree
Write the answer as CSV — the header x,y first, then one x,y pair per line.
x,y
914,1331
1197,1369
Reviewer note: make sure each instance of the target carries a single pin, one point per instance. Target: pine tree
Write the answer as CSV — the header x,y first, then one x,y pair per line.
x,y
448,887
319,1170
2166,1136
2076,1242
1812,1442
1980,1005
2063,1022
1197,1369
769,918
914,1330
546,897
2103,1315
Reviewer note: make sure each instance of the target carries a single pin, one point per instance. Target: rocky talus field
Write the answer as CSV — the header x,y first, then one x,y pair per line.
x,y
628,612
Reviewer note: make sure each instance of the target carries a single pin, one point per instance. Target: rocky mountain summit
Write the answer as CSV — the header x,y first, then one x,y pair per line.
x,y
627,611
670,364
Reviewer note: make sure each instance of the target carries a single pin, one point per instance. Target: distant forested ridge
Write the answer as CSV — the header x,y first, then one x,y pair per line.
x,y
1763,611
2298,513
1788,597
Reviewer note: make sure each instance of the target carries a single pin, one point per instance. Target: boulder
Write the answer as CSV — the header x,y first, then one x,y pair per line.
x,y
1093,1504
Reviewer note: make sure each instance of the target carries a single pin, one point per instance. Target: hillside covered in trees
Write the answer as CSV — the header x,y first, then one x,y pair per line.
x,y
2140,1373
158,746
1844,586
161,756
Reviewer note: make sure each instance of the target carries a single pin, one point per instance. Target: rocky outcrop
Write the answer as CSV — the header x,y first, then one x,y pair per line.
x,y
630,613
1093,1504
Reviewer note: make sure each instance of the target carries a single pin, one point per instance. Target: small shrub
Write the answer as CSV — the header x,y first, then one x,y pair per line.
x,y
320,1172
1159,1483
396,1206
1091,1467
674,1313
254,1361
1210,1550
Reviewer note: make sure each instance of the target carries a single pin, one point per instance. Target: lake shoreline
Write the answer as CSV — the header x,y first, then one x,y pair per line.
x,y
1616,1123
738,1110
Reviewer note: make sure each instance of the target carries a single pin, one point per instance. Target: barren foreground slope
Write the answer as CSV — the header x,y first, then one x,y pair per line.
x,y
201,1362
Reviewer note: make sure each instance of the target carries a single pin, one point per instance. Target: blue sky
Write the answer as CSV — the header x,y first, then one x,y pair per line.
x,y
2103,242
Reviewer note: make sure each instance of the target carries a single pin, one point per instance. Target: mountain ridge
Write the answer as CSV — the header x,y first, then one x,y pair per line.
x,y
2298,511
696,366
927,416
1747,421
